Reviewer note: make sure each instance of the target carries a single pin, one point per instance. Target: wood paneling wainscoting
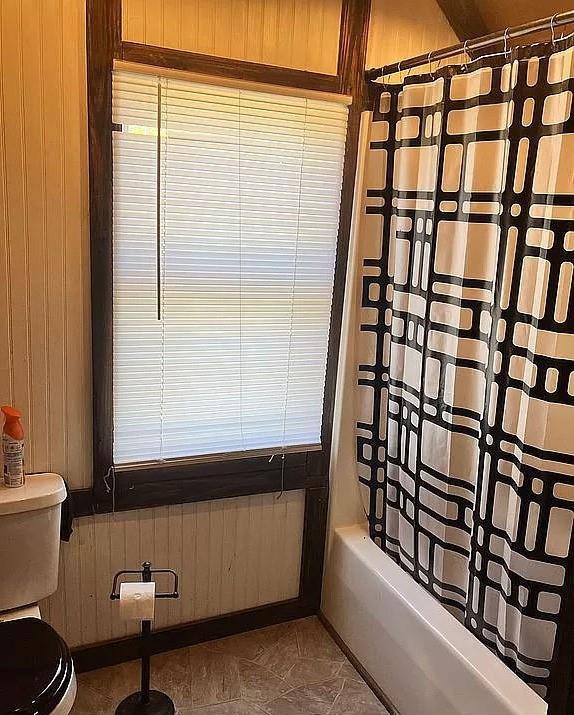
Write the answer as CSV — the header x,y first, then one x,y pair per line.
x,y
45,346
298,34
231,555
404,29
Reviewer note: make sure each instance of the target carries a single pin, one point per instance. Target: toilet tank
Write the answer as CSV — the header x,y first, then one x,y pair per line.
x,y
30,539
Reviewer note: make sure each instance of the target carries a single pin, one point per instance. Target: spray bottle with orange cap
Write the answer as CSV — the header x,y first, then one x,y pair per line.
x,y
13,447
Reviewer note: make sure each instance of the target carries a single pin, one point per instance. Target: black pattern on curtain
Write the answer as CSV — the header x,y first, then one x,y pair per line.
x,y
465,426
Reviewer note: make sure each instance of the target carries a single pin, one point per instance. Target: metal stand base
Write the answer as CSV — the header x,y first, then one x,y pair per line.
x,y
146,701
159,704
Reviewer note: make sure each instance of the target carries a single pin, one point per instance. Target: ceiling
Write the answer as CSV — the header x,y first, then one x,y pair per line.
x,y
500,14
475,18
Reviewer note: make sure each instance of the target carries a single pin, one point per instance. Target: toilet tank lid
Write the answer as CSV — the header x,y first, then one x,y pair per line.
x,y
39,492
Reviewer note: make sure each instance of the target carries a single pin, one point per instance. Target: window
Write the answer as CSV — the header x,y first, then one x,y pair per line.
x,y
226,212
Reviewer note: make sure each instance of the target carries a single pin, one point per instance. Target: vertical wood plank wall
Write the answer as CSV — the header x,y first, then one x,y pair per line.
x,y
232,554
44,249
404,28
300,34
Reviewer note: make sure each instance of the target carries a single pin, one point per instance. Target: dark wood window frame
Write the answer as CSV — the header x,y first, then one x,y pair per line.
x,y
133,488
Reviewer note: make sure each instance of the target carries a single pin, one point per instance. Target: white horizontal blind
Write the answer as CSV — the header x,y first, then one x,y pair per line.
x,y
226,352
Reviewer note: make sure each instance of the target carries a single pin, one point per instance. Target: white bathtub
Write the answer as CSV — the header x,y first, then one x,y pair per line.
x,y
420,656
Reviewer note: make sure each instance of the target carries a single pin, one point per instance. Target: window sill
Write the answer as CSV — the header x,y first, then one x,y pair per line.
x,y
161,485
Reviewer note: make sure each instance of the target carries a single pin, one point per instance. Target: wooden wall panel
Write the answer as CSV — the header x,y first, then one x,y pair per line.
x,y
300,34
231,554
404,28
44,251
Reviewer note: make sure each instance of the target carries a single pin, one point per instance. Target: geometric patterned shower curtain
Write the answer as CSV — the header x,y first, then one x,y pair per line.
x,y
465,425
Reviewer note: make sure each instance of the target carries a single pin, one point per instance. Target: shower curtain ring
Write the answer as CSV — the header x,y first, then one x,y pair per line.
x,y
506,50
465,52
430,65
553,35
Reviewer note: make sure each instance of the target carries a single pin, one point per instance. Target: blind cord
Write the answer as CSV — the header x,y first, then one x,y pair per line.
x,y
111,489
240,286
295,264
158,203
162,192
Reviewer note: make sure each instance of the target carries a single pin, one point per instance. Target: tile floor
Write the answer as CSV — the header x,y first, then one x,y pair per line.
x,y
291,669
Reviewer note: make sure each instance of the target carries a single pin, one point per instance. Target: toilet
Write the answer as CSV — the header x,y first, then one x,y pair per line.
x,y
36,669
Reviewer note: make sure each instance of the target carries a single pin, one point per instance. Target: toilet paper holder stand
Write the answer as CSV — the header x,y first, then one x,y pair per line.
x,y
146,701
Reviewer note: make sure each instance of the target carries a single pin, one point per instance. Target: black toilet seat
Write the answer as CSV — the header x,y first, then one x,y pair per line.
x,y
35,667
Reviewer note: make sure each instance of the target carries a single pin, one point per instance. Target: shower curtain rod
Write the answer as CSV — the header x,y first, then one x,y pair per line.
x,y
479,43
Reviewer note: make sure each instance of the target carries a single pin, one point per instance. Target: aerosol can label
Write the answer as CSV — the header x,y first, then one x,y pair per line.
x,y
13,451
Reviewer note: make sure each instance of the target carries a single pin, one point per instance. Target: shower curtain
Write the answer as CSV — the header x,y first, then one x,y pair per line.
x,y
465,425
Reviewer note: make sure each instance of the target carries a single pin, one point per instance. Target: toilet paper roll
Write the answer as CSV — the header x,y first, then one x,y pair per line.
x,y
137,601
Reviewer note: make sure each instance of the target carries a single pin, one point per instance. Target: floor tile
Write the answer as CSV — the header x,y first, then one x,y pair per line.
x,y
171,673
91,702
236,707
314,699
315,642
282,656
347,671
259,685
253,644
214,677
290,669
114,683
357,699
311,670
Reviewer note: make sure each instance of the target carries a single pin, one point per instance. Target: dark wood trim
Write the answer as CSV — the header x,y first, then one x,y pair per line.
x,y
464,18
355,17
295,463
179,484
149,487
357,665
140,488
345,219
82,502
313,550
352,57
211,481
125,649
103,31
223,67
